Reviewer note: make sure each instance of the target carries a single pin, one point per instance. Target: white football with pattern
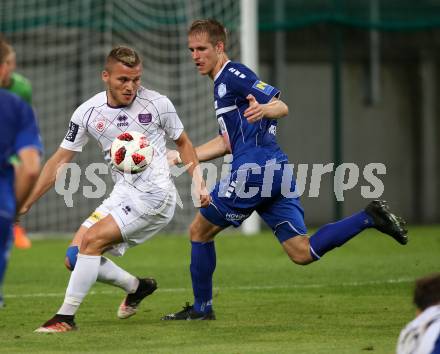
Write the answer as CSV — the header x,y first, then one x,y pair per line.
x,y
131,152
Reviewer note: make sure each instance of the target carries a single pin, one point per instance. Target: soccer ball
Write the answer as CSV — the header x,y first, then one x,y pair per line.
x,y
131,152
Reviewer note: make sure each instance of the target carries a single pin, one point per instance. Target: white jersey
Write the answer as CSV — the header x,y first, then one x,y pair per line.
x,y
421,334
151,114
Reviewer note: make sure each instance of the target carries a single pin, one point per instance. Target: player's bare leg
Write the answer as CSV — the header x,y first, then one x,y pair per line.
x,y
95,241
110,273
298,249
201,230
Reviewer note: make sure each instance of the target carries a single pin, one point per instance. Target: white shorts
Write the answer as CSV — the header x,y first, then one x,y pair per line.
x,y
139,215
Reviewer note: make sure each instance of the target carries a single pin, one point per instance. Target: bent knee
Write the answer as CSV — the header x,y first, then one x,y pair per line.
x,y
298,250
301,258
90,242
195,233
202,230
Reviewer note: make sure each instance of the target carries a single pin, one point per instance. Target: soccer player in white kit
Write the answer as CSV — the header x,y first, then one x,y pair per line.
x,y
422,334
140,205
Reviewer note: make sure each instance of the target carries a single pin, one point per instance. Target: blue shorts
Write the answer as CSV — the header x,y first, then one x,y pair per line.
x,y
237,196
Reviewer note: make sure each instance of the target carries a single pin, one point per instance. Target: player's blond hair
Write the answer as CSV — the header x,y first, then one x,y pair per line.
x,y
125,55
215,30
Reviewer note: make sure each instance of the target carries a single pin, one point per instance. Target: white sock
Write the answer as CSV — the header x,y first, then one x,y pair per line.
x,y
81,280
112,274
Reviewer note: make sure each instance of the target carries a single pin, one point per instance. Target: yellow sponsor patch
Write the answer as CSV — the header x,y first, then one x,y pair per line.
x,y
263,87
95,217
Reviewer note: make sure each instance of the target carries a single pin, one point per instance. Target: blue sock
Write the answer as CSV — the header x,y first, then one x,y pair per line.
x,y
203,261
336,234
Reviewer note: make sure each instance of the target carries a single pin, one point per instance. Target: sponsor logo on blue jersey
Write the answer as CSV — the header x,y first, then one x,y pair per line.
x,y
236,216
273,130
237,73
263,87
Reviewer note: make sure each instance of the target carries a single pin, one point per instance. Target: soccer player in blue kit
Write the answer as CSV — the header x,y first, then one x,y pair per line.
x,y
19,135
247,111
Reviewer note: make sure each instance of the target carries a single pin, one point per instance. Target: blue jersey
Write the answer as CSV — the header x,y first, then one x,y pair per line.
x,y
246,189
249,142
18,130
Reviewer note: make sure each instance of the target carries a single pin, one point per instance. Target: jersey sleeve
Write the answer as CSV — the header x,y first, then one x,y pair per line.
x,y
76,137
28,135
247,82
170,121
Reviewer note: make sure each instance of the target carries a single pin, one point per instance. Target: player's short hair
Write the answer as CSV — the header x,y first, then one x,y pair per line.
x,y
427,291
5,49
125,55
215,30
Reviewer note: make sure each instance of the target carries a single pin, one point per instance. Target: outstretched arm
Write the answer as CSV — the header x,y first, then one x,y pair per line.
x,y
47,177
212,149
205,152
26,174
274,109
189,158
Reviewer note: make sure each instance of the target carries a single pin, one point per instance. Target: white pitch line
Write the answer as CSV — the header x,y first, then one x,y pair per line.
x,y
253,288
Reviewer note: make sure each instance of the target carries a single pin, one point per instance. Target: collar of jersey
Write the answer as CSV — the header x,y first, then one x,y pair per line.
x,y
221,70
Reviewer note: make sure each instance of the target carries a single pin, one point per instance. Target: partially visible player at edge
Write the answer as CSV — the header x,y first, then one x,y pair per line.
x,y
19,136
422,334
247,111
18,84
139,205
15,82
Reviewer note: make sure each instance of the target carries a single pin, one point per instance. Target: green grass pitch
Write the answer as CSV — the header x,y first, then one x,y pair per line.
x,y
355,300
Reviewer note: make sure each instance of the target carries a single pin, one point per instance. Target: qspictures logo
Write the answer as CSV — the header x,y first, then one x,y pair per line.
x,y
296,181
